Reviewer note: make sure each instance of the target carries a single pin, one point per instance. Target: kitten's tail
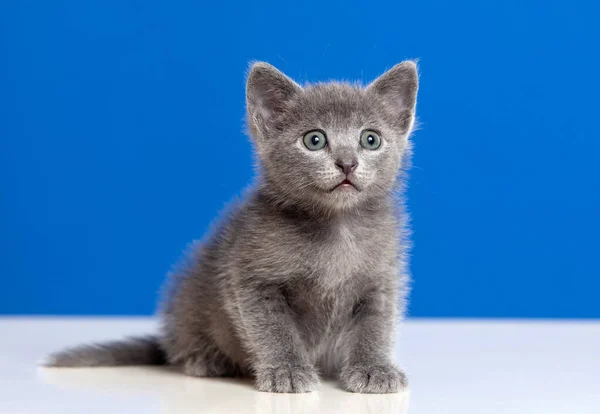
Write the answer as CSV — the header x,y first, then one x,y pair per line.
x,y
144,350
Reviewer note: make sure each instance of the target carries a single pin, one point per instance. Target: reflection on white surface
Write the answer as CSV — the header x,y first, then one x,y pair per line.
x,y
454,367
180,394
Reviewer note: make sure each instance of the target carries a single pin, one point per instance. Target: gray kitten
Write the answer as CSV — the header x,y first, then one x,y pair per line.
x,y
306,275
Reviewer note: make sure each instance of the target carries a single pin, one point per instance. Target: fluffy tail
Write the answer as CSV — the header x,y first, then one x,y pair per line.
x,y
133,351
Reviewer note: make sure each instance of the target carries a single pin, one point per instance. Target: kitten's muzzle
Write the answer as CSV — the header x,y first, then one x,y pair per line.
x,y
346,184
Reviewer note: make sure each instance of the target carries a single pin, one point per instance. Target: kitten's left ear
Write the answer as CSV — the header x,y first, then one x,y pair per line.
x,y
268,91
397,88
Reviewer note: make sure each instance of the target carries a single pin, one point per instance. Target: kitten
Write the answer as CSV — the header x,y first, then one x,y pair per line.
x,y
306,275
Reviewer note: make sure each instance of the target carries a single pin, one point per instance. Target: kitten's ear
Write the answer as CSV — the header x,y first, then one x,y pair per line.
x,y
397,88
267,93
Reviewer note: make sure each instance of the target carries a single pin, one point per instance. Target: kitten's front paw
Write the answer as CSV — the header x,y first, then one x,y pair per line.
x,y
375,379
287,379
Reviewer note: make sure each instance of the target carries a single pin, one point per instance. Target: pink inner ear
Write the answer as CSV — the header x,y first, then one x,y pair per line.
x,y
398,87
268,90
262,109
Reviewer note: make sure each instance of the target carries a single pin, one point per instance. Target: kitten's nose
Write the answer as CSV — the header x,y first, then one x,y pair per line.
x,y
346,166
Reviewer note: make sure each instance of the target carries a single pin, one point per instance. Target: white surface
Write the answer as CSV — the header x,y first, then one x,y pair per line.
x,y
453,367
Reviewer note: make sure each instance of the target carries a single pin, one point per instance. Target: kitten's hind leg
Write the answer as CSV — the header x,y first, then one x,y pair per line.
x,y
198,356
209,362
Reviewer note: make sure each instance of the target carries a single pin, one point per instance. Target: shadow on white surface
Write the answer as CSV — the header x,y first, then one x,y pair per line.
x,y
180,394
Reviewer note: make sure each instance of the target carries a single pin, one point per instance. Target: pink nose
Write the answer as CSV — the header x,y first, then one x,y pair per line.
x,y
346,167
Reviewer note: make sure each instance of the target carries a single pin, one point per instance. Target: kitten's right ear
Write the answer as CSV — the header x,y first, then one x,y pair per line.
x,y
268,91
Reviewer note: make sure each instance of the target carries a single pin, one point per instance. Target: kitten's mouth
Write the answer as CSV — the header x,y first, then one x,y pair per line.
x,y
345,185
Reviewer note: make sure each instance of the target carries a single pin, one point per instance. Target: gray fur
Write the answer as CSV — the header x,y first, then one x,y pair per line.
x,y
297,280
133,351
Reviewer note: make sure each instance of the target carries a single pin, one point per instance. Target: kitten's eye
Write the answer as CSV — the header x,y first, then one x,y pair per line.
x,y
315,140
370,140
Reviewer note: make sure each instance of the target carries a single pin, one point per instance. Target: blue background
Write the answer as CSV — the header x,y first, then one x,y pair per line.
x,y
121,139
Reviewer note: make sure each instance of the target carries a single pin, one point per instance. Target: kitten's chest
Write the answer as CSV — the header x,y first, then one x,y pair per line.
x,y
349,251
334,256
338,265
341,253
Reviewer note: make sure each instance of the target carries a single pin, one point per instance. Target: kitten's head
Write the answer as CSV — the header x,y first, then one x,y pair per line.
x,y
332,145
